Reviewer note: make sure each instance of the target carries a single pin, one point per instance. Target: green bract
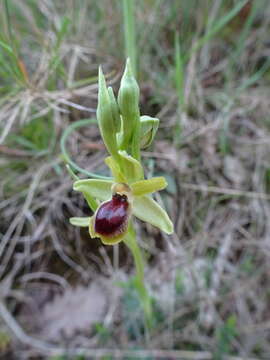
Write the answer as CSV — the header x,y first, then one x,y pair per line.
x,y
128,193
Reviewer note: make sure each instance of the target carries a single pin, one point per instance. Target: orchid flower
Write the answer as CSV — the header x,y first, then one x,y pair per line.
x,y
120,199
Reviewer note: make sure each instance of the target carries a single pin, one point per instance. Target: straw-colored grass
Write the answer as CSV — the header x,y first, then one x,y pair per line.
x,y
203,69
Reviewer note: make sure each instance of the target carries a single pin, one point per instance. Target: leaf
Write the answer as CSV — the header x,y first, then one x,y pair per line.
x,y
147,209
144,187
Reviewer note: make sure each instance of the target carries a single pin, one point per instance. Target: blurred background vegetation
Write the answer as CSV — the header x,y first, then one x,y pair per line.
x,y
204,70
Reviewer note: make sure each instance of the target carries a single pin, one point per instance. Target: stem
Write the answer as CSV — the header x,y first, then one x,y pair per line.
x,y
130,241
130,33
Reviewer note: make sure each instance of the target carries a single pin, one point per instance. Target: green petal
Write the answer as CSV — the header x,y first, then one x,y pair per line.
x,y
149,186
133,169
98,189
80,221
146,209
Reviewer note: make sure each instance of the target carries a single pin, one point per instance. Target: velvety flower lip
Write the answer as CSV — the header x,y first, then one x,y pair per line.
x,y
110,221
112,216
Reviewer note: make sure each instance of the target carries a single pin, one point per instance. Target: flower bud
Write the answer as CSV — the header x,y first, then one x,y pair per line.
x,y
128,101
149,126
115,110
107,119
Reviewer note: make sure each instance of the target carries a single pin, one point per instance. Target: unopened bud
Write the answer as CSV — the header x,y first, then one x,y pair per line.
x,y
128,101
105,116
115,110
149,126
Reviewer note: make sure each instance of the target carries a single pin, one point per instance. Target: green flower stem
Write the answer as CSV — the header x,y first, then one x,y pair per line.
x,y
130,241
128,7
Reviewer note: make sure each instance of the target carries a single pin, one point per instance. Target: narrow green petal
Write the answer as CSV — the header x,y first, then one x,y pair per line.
x,y
80,221
115,169
146,209
149,186
98,189
133,169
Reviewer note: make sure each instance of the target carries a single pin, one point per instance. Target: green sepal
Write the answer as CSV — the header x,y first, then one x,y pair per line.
x,y
149,186
148,210
80,221
149,126
98,189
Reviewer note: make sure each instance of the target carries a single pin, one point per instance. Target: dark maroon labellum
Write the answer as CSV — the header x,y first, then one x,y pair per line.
x,y
111,218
